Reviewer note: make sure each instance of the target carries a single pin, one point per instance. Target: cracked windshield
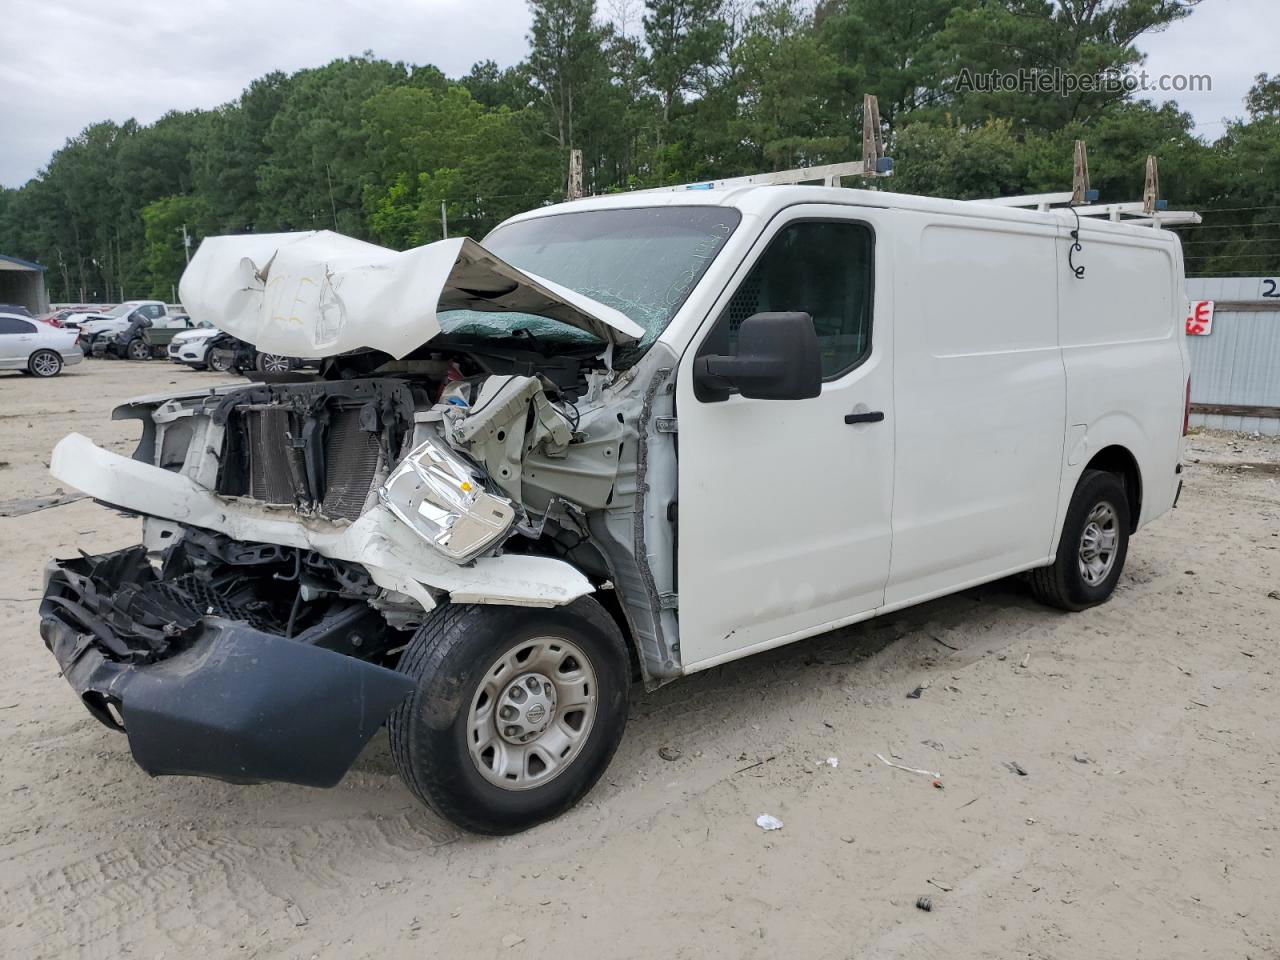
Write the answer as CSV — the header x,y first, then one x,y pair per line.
x,y
643,262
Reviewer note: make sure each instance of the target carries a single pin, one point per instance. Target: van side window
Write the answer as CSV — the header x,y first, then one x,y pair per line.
x,y
822,269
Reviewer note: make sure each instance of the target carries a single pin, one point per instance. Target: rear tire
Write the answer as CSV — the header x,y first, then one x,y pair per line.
x,y
1092,548
44,363
472,743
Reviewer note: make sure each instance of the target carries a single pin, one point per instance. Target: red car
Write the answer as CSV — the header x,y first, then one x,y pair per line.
x,y
55,319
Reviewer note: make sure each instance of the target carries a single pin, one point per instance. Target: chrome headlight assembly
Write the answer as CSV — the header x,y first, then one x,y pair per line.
x,y
435,492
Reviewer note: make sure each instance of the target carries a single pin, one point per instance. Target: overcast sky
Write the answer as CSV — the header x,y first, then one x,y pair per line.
x,y
68,63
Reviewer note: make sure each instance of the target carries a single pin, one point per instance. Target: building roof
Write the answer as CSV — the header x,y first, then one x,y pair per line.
x,y
17,263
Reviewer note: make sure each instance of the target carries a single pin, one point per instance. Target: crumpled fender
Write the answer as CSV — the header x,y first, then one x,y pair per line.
x,y
396,558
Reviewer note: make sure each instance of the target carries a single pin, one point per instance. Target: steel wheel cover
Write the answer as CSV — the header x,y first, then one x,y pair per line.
x,y
1098,542
532,714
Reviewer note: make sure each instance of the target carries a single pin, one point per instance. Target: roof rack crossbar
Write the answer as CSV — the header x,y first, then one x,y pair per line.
x,y
1137,212
1150,211
828,175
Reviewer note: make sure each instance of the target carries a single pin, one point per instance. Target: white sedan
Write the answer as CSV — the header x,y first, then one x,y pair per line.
x,y
35,348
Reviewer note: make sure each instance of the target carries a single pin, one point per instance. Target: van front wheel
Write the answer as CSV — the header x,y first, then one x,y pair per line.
x,y
1093,546
516,714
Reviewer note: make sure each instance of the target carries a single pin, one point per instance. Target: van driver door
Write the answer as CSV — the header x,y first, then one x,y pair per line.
x,y
785,505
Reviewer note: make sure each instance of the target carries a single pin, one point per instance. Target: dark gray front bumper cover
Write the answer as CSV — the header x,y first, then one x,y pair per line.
x,y
238,704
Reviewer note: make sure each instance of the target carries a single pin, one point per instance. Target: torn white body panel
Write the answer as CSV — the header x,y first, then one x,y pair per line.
x,y
320,294
395,557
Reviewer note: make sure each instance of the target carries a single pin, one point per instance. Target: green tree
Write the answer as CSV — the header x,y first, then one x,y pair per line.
x,y
314,174
1071,37
426,149
686,39
949,160
229,155
787,80
891,48
163,256
564,59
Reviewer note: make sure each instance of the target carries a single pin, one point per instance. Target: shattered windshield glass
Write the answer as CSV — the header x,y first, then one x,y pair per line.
x,y
642,261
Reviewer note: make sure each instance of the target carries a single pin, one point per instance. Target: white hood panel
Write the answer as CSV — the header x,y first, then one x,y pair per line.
x,y
319,294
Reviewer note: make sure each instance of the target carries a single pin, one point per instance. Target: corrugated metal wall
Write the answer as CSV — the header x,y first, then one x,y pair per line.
x,y
1239,362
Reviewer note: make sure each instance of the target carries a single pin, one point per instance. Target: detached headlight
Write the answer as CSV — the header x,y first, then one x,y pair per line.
x,y
435,492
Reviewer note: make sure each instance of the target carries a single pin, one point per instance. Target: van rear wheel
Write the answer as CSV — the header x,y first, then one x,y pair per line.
x,y
516,714
1092,548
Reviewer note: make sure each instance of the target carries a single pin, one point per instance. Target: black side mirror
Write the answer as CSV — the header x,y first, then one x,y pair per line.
x,y
777,359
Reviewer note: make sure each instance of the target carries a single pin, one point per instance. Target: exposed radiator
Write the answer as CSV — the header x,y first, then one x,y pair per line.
x,y
272,465
351,459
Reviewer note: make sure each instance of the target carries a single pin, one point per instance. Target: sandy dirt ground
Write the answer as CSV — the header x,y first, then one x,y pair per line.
x,y
1144,826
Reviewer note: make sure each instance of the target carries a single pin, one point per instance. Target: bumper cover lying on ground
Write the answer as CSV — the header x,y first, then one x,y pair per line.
x,y
229,702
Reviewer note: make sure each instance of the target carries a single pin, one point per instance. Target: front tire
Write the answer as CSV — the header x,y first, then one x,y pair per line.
x,y
44,363
138,350
1092,548
220,360
516,714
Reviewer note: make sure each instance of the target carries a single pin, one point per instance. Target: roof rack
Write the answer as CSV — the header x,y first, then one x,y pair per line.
x,y
873,164
1150,211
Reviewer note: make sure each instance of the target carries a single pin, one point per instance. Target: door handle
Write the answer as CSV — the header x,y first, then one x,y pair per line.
x,y
873,416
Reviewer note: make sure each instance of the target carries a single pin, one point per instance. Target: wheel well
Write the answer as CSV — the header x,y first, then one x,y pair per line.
x,y
1118,460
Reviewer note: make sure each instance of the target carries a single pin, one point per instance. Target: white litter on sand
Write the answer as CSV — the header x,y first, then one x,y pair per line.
x,y
924,773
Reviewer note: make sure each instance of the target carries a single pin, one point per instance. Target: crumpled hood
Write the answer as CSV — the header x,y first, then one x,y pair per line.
x,y
319,294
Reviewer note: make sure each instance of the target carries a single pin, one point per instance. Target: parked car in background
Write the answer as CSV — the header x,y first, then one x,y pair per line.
x,y
33,347
86,312
162,327
143,339
119,318
55,318
15,308
226,352
191,347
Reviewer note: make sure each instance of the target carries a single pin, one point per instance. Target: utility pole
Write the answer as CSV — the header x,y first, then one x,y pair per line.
x,y
186,243
444,220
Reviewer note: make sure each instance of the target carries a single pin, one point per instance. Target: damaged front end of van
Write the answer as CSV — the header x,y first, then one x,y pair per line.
x,y
298,530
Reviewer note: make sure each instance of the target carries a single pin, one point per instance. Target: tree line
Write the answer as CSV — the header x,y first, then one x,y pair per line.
x,y
652,92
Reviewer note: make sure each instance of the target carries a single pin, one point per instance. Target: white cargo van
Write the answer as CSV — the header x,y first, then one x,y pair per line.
x,y
642,432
